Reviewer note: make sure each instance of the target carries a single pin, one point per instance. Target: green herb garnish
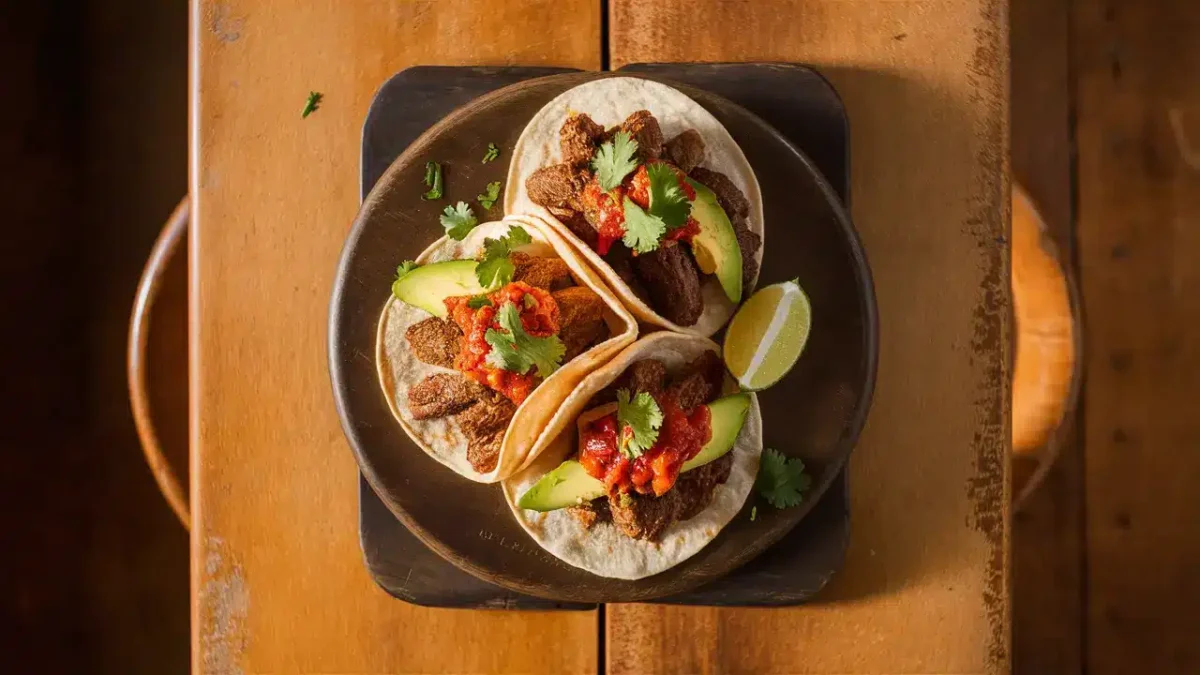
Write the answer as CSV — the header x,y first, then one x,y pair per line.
x,y
668,201
516,351
643,232
753,513
433,181
492,153
488,198
405,267
495,269
479,301
639,419
781,481
458,220
615,160
311,103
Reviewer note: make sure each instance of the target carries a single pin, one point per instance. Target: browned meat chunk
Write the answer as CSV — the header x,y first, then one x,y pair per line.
x,y
576,223
443,394
700,382
644,129
648,375
541,272
582,319
578,138
556,185
435,341
749,242
672,280
685,151
731,199
591,513
647,517
484,425
620,258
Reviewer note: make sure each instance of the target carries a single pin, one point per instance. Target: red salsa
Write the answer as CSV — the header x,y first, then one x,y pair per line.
x,y
539,317
680,438
610,207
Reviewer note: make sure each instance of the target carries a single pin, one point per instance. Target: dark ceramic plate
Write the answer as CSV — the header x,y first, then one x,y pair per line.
x,y
815,413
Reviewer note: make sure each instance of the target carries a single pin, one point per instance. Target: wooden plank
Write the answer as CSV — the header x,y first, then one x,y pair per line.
x,y
278,578
1048,552
925,584
1138,135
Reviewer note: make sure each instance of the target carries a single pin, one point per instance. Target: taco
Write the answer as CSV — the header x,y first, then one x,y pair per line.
x,y
661,454
484,336
653,192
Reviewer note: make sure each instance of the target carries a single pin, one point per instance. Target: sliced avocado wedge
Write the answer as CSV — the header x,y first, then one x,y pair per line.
x,y
427,286
570,484
716,247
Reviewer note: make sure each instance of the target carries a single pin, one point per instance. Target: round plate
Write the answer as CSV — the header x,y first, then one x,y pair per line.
x,y
815,413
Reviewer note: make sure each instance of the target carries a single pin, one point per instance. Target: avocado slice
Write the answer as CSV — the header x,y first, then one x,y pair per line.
x,y
427,286
570,484
716,246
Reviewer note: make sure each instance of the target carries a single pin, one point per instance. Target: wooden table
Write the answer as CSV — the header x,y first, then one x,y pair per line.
x,y
278,584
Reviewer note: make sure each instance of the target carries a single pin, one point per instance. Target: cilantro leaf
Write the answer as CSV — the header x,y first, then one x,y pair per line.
x,y
639,419
614,160
311,103
668,201
643,232
781,481
495,269
433,181
517,351
458,220
492,153
487,199
479,301
406,267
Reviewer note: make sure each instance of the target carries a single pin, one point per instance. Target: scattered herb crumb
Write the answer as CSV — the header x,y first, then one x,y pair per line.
x,y
781,480
492,153
753,513
480,301
433,181
311,104
488,198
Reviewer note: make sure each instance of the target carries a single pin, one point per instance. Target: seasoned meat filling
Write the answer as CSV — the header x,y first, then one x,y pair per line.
x,y
685,151
672,280
591,513
749,243
644,129
647,517
484,425
443,394
648,375
435,341
547,273
556,186
576,223
731,199
578,138
700,382
582,319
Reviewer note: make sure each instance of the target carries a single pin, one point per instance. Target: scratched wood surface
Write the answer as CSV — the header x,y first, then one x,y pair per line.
x,y
925,586
278,580
1138,138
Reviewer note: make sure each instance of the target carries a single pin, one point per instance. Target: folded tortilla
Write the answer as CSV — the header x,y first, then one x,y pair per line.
x,y
608,102
527,434
604,550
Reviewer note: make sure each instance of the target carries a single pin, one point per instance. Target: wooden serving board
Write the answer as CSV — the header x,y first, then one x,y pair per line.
x,y
805,109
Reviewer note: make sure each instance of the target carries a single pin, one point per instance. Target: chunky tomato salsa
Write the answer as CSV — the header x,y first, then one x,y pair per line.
x,y
680,438
539,317
609,207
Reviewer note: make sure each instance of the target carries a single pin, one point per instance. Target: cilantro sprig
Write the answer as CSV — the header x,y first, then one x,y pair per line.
x,y
615,160
311,103
516,351
458,220
479,302
433,181
781,480
639,418
668,201
489,197
492,153
495,269
643,232
405,267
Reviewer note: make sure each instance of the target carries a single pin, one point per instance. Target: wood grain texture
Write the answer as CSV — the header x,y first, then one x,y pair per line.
x,y
278,579
1138,135
1047,550
925,85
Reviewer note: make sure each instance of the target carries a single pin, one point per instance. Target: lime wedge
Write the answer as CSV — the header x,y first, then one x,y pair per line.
x,y
767,335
